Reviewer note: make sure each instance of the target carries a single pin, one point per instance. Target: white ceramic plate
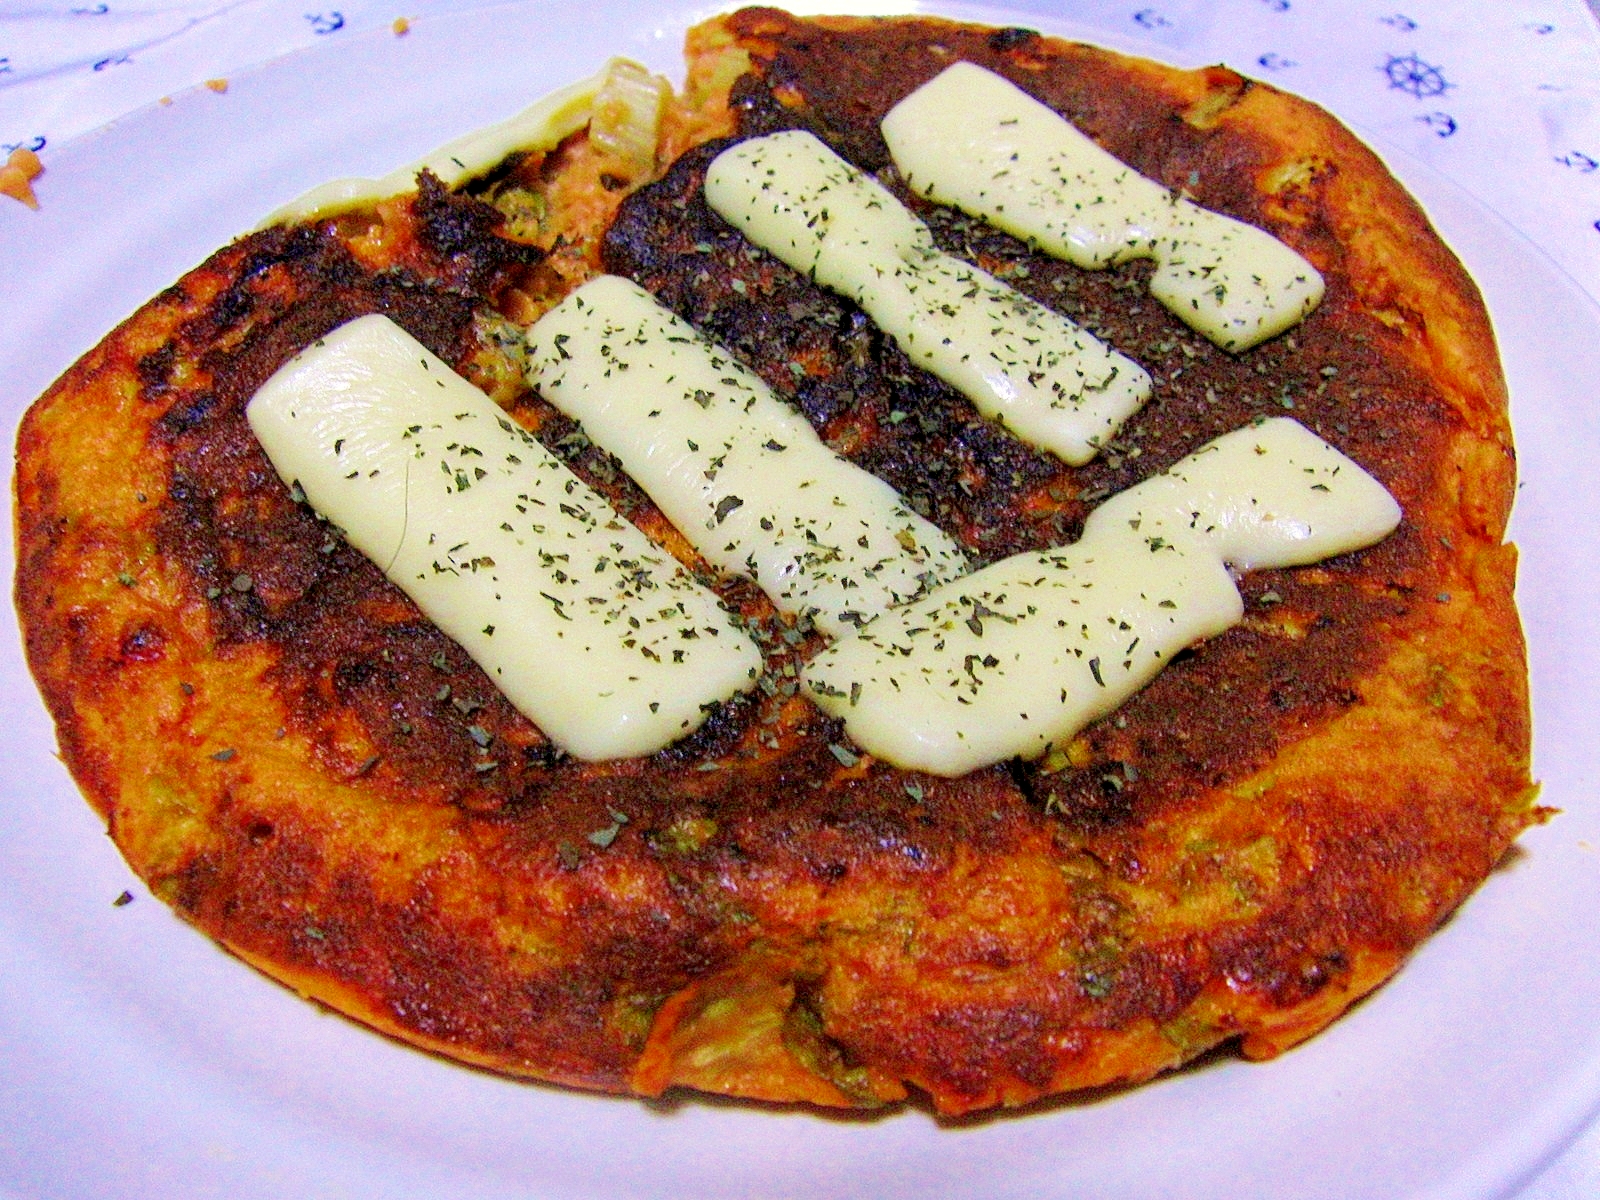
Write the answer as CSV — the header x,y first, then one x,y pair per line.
x,y
136,1059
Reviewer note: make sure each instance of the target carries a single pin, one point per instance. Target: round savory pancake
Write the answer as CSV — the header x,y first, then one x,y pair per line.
x,y
305,768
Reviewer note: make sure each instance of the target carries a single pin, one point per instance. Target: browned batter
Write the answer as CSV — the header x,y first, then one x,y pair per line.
x,y
306,768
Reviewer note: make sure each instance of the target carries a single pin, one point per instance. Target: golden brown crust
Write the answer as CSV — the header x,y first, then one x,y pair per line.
x,y
296,761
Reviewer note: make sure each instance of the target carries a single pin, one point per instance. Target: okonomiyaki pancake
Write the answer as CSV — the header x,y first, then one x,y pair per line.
x,y
307,769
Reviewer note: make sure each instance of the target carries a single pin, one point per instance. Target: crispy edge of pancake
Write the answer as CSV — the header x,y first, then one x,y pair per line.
x,y
1473,658
1458,694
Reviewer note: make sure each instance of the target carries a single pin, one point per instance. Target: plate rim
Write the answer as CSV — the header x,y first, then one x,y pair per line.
x,y
1510,1173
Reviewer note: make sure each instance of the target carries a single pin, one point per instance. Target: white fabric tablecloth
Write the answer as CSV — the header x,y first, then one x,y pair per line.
x,y
1500,96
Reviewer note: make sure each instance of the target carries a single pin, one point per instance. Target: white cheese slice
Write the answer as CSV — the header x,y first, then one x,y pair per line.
x,y
543,125
1048,381
1272,494
592,631
1016,657
973,140
743,476
1019,656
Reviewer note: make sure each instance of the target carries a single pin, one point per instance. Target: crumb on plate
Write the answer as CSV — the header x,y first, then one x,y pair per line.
x,y
17,176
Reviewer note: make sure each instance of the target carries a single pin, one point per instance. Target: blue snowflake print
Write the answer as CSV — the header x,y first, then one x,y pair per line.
x,y
1580,162
1398,21
1151,19
1408,73
1274,61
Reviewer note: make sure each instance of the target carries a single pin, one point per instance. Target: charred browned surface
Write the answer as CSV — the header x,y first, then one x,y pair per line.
x,y
307,769
1213,716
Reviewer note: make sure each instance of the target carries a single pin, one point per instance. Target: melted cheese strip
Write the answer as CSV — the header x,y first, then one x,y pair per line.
x,y
1269,495
1021,364
975,141
593,632
543,125
743,476
1019,656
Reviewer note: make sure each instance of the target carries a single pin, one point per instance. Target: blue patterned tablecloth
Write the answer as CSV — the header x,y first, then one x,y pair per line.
x,y
1502,97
